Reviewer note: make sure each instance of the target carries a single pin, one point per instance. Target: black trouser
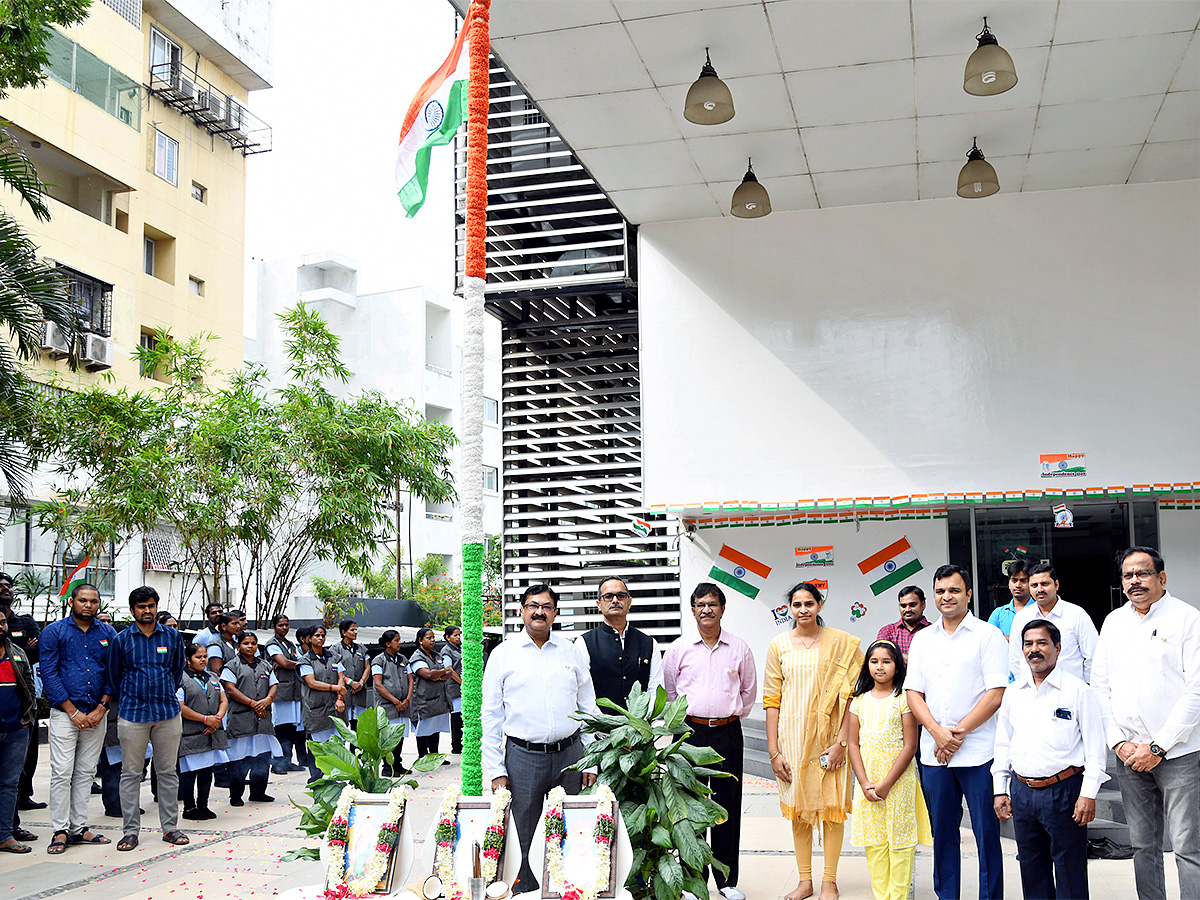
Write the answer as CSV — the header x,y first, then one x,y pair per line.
x,y
25,785
110,783
288,737
428,744
1051,845
456,732
725,839
258,768
194,788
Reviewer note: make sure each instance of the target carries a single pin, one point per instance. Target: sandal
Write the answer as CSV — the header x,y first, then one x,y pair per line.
x,y
15,847
129,842
56,846
178,838
82,838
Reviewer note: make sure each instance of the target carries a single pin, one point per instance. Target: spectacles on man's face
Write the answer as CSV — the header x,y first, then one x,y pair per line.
x,y
619,595
1140,575
544,607
708,606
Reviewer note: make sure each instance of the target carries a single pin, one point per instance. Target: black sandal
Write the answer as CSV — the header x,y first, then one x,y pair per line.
x,y
80,839
56,846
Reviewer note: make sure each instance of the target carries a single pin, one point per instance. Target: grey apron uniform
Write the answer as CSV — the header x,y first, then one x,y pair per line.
x,y
395,679
429,697
318,705
289,679
207,703
354,663
253,680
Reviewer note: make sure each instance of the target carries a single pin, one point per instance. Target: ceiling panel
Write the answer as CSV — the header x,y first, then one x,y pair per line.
x,y
1108,70
722,157
528,18
569,62
1001,132
1179,118
790,192
940,179
592,121
1188,76
672,47
1085,126
868,93
833,148
1079,168
950,27
666,204
885,185
940,84
1084,20
1174,161
641,165
820,34
760,103
640,9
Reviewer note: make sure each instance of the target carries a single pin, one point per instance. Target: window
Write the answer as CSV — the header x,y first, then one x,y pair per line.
x,y
148,249
491,476
147,342
491,410
158,254
165,57
195,285
92,78
166,157
93,300
199,192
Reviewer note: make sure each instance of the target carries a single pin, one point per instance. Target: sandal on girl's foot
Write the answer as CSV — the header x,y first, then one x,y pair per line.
x,y
56,846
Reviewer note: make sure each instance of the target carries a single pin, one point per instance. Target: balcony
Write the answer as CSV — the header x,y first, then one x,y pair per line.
x,y
215,111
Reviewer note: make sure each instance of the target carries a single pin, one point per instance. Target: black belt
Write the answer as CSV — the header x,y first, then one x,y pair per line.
x,y
533,747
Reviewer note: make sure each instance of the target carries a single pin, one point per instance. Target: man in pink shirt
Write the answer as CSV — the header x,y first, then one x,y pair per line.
x,y
715,671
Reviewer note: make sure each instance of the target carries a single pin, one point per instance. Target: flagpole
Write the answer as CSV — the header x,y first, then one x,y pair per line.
x,y
471,482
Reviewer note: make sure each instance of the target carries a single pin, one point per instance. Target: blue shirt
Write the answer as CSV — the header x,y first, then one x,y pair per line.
x,y
1002,617
74,663
146,672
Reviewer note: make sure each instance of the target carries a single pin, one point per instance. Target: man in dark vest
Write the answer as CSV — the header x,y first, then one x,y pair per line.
x,y
618,653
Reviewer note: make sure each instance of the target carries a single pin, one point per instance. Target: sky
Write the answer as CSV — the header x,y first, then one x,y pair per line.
x,y
342,83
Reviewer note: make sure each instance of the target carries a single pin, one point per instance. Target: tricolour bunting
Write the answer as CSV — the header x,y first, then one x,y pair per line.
x,y
743,573
890,566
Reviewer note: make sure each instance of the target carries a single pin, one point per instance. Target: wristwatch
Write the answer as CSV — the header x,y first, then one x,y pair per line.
x,y
106,704
1157,750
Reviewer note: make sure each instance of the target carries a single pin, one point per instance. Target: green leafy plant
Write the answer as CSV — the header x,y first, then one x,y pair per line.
x,y
658,780
337,601
352,757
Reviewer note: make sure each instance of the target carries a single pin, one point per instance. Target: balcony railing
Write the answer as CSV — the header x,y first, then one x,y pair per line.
x,y
215,111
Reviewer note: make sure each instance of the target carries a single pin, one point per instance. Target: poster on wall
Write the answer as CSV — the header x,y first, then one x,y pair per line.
x,y
1063,465
1063,517
813,556
743,573
781,613
893,564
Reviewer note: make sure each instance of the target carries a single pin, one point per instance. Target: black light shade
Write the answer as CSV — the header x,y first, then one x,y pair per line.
x,y
750,200
708,99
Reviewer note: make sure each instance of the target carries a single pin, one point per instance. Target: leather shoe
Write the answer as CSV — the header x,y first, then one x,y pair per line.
x,y
1107,848
23,835
30,804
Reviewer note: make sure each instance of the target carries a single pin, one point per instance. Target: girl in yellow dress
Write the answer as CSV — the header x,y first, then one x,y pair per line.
x,y
890,818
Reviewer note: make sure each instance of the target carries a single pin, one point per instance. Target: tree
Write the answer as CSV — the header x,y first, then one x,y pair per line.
x,y
23,24
257,483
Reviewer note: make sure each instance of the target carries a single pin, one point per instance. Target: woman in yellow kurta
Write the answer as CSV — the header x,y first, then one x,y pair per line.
x,y
811,671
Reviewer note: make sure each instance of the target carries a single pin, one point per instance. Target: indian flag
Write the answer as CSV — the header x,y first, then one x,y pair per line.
x,y
433,117
78,576
743,573
641,527
893,564
815,556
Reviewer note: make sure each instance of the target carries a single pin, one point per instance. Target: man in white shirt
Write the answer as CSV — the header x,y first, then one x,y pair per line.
x,y
534,682
617,653
1078,631
1050,757
1147,677
957,670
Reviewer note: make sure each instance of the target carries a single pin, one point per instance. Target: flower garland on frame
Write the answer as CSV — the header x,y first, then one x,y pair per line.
x,y
446,835
338,832
603,834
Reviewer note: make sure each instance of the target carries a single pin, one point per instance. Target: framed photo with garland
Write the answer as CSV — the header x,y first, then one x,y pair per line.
x,y
365,835
474,817
586,867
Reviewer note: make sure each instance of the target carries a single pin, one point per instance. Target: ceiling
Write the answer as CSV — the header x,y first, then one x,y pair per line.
x,y
845,102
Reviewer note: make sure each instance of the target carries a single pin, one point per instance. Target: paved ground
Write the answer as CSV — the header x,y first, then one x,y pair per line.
x,y
237,855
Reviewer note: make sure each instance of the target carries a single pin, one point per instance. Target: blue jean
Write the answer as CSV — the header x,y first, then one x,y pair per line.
x,y
259,769
945,788
1173,787
1051,845
13,745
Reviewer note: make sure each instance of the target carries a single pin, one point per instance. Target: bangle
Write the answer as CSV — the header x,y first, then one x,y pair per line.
x,y
771,758
74,714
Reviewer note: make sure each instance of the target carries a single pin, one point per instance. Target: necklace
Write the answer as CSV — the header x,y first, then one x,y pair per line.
x,y
812,642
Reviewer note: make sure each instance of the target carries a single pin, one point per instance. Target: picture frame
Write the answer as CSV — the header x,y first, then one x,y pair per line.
x,y
579,816
473,817
363,822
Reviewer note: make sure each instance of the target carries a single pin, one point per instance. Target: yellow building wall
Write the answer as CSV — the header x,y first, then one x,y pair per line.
x,y
209,237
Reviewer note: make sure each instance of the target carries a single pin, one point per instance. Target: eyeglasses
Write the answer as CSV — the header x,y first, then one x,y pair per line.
x,y
708,606
619,595
544,607
1142,575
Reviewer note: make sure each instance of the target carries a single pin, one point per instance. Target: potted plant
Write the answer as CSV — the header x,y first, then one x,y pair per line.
x,y
659,782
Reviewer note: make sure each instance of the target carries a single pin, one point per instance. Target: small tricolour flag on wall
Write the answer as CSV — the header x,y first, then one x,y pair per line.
x,y
743,573
641,527
433,117
78,576
890,566
814,556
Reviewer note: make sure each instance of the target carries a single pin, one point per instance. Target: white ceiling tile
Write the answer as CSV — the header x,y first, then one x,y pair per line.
x,y
1001,132
760,103
640,9
1106,70
568,61
602,120
641,165
950,27
723,156
819,34
666,204
1179,118
867,93
940,84
1188,76
1087,20
940,179
507,19
886,185
790,192
1176,161
1079,168
672,47
831,148
1085,126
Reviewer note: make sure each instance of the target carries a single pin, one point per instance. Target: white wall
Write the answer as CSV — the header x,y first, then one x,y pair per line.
x,y
1179,544
753,621
922,347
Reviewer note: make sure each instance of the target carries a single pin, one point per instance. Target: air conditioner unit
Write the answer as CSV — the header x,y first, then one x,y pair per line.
x,y
187,90
233,114
210,104
53,342
97,352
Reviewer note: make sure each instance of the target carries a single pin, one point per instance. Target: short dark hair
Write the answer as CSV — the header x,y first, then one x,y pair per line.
x,y
387,637
345,625
210,606
1044,568
1155,558
951,569
162,617
141,595
707,589
421,632
911,589
449,631
275,620
4,576
303,634
1018,566
1051,628
606,578
247,634
82,587
226,618
238,613
191,648
534,589
809,588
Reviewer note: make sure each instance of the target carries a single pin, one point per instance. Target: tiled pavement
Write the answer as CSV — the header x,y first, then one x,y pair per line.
x,y
237,854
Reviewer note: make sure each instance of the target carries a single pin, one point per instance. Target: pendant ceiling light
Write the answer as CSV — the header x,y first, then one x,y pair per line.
x,y
990,69
708,99
750,200
977,178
